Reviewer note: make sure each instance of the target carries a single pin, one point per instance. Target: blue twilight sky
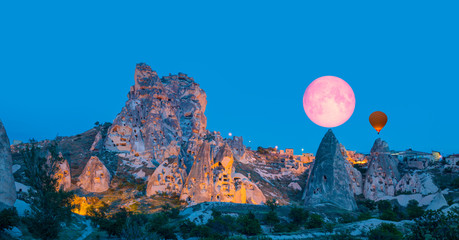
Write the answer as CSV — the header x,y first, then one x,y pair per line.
x,y
67,64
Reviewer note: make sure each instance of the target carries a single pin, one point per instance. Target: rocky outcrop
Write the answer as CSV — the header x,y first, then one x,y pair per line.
x,y
7,187
214,179
63,176
159,116
329,181
382,175
355,175
168,178
199,183
95,176
224,188
416,182
356,179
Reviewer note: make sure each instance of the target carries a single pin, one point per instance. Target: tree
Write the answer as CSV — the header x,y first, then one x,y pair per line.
x,y
436,225
315,221
298,215
272,204
414,210
8,218
271,218
49,205
249,225
385,231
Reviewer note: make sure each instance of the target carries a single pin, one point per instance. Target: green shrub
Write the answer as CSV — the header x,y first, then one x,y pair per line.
x,y
414,210
298,215
389,215
346,218
314,221
385,231
435,225
8,218
384,205
364,216
248,224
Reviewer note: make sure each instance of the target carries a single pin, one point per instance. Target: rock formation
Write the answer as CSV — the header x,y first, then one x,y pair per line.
x,y
95,176
416,182
168,178
160,114
63,176
224,189
382,174
355,175
214,179
329,181
199,183
379,147
7,187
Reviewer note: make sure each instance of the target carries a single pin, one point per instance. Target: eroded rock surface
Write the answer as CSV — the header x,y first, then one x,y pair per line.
x,y
7,187
160,114
382,175
329,181
168,178
95,176
416,182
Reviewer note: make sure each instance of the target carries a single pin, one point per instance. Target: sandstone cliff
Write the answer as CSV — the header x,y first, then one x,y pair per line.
x,y
329,181
7,187
95,176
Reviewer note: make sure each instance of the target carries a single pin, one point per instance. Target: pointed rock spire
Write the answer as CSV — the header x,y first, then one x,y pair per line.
x,y
329,181
199,183
379,147
7,188
95,176
382,175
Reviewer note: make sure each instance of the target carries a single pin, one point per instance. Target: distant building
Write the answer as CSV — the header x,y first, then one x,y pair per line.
x,y
307,157
289,152
17,142
281,152
452,159
412,155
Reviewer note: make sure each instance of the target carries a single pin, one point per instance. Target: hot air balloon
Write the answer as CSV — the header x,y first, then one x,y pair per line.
x,y
378,120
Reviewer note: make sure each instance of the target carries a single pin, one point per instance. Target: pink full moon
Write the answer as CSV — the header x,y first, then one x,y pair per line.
x,y
329,101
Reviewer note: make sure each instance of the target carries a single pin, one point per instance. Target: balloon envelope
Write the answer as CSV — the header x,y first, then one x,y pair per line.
x,y
378,120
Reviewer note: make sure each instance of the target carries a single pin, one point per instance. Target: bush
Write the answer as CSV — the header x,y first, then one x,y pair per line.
x,y
436,225
389,215
346,218
286,227
115,223
384,205
385,231
159,223
249,225
364,216
221,225
369,204
298,215
8,218
314,221
414,210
